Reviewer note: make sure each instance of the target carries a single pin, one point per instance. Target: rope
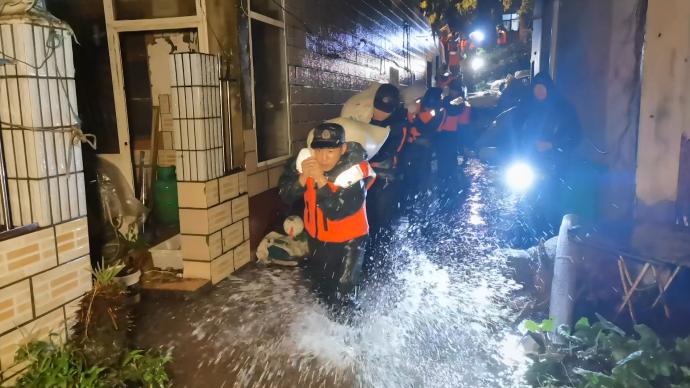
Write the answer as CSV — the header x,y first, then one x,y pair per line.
x,y
78,136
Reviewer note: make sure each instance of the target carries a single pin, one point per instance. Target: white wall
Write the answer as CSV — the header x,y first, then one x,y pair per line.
x,y
665,105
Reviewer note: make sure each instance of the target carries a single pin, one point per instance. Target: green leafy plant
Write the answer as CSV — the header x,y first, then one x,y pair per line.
x,y
543,327
104,276
103,318
52,364
603,355
55,365
145,367
96,354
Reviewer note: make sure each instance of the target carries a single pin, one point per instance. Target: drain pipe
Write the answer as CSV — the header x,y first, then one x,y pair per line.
x,y
563,283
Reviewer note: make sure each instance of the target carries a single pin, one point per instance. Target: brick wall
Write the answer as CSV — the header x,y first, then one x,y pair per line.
x,y
42,276
336,48
43,273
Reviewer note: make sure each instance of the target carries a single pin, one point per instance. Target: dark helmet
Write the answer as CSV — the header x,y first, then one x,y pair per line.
x,y
432,98
543,78
387,98
456,85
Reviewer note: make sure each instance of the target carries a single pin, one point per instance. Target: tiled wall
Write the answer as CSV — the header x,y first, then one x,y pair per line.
x,y
197,117
42,276
38,108
214,226
44,273
214,209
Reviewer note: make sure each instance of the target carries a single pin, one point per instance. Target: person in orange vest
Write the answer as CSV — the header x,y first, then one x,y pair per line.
x,y
502,35
464,45
454,54
332,180
416,157
443,46
456,115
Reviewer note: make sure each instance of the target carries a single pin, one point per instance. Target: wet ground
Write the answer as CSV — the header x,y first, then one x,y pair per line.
x,y
442,316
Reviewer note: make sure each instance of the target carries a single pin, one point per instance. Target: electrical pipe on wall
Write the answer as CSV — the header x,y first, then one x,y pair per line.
x,y
563,283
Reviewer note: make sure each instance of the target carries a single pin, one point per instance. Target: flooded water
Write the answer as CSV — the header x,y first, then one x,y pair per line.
x,y
441,317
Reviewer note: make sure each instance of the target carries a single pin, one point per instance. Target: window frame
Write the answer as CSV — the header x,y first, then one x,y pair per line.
x,y
514,17
253,15
114,27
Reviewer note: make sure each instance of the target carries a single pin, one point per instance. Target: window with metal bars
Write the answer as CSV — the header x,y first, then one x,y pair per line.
x,y
6,229
4,200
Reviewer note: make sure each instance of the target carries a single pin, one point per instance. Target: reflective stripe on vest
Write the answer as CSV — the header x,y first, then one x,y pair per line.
x,y
335,231
413,135
402,142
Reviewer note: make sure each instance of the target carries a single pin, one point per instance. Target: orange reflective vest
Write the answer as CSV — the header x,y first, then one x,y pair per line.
x,y
424,116
502,38
452,122
334,231
453,53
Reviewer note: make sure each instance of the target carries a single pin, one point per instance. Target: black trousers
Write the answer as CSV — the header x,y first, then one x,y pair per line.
x,y
416,164
447,146
383,205
335,270
416,180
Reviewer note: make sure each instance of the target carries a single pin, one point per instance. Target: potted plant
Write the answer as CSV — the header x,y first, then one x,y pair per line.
x,y
103,317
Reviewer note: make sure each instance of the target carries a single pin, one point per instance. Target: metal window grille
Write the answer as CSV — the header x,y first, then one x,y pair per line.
x,y
5,221
38,111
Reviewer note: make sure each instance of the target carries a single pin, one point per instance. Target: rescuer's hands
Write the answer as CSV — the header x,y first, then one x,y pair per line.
x,y
309,167
320,180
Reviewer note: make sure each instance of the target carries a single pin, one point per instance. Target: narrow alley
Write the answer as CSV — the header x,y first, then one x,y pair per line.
x,y
344,193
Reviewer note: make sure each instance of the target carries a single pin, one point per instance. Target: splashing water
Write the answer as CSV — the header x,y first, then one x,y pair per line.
x,y
441,318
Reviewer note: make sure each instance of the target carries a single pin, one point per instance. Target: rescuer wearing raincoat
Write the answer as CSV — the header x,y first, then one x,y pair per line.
x,y
416,157
384,196
456,115
332,177
548,133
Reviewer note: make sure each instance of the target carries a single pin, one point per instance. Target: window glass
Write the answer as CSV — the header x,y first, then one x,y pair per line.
x,y
270,94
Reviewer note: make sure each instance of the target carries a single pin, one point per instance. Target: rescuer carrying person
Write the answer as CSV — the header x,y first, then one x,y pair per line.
x,y
384,196
332,177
